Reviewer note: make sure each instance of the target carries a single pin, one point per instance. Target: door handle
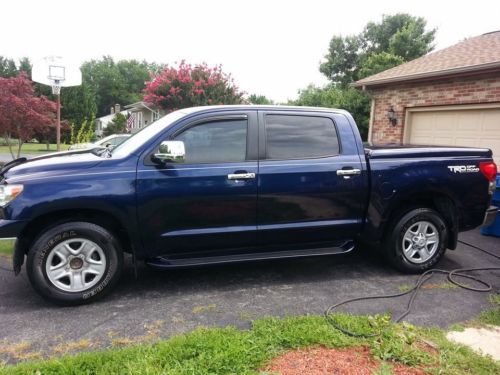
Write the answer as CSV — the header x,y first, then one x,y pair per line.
x,y
346,173
241,176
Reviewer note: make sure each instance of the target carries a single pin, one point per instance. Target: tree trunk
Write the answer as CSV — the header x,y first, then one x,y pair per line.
x,y
19,148
7,139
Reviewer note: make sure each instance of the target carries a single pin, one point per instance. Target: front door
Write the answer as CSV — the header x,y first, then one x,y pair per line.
x,y
207,202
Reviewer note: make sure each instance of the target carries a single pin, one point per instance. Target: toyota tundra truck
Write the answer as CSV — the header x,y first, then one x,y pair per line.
x,y
222,184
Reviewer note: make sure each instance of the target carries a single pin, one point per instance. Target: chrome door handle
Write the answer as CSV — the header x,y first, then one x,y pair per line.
x,y
241,176
348,172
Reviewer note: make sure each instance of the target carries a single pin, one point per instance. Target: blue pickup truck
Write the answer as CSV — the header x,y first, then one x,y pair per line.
x,y
223,184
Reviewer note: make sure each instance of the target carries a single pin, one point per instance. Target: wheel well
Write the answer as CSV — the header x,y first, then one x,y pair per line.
x,y
101,218
441,203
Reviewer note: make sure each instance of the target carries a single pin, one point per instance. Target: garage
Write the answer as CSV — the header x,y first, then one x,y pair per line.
x,y
475,126
449,97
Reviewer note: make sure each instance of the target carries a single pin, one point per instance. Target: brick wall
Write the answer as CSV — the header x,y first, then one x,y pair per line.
x,y
463,90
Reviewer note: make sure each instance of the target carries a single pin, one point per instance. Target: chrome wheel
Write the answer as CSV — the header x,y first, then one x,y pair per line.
x,y
75,265
420,242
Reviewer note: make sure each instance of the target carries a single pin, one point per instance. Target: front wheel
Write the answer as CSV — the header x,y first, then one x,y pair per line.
x,y
74,263
417,240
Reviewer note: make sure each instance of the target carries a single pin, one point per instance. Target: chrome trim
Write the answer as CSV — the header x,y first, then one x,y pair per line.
x,y
490,215
348,172
241,176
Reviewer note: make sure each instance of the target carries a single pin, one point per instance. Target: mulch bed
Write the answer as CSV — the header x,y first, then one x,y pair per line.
x,y
321,361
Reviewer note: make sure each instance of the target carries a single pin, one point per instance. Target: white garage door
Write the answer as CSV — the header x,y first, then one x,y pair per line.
x,y
455,126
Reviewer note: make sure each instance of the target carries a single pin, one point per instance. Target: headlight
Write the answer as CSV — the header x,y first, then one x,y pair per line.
x,y
9,192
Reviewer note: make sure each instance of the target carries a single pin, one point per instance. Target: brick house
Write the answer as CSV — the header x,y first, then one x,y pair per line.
x,y
448,97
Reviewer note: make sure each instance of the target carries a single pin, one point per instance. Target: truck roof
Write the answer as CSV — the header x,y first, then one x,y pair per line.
x,y
261,107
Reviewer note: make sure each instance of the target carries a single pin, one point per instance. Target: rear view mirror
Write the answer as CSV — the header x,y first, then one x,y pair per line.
x,y
171,151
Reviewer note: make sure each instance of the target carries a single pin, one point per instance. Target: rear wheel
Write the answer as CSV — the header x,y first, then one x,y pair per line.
x,y
417,240
74,263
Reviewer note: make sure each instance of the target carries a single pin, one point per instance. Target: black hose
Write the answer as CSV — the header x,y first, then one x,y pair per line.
x,y
422,279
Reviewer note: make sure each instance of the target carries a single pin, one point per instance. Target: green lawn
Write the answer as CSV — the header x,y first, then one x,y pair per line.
x,y
6,246
233,351
34,148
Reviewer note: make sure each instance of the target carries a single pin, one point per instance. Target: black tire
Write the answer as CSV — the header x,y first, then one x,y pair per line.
x,y
48,240
393,244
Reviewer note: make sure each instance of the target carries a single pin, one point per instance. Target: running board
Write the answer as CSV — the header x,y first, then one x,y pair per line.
x,y
166,262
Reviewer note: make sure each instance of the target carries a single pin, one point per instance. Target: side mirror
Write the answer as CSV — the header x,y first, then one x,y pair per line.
x,y
171,151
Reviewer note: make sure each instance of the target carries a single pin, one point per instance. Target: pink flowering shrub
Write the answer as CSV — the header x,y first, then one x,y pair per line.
x,y
188,86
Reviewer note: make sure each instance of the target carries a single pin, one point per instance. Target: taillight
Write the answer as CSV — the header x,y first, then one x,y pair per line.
x,y
489,169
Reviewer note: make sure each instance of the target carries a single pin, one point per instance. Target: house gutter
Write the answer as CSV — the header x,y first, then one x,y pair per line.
x,y
420,76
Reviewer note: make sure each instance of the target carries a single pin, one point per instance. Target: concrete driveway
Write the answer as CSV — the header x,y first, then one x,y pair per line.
x,y
161,304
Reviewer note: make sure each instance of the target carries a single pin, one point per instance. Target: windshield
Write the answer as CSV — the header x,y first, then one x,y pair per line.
x,y
138,139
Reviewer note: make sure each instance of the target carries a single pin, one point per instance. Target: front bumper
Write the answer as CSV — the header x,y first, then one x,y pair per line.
x,y
490,216
11,228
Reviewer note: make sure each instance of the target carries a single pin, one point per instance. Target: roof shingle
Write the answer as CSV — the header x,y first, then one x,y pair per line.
x,y
474,54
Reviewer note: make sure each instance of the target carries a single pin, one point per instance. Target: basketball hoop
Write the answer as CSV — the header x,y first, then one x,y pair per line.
x,y
55,72
56,89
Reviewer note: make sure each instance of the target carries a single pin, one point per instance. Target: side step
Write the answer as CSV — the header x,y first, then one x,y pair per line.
x,y
166,262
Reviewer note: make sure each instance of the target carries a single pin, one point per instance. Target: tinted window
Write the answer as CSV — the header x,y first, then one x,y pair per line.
x,y
296,137
215,142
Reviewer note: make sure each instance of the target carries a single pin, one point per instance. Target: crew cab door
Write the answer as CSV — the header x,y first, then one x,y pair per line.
x,y
312,181
208,201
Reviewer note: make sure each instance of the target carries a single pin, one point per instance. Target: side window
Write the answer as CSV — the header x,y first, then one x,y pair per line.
x,y
215,142
298,137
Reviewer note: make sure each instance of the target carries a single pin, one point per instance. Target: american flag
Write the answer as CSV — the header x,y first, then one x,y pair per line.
x,y
130,121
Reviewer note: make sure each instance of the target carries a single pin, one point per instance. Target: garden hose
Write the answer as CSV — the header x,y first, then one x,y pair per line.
x,y
422,279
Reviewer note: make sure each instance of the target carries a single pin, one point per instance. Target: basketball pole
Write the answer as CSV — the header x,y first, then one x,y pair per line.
x,y
58,123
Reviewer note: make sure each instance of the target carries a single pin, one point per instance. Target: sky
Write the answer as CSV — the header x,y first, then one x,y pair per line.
x,y
272,47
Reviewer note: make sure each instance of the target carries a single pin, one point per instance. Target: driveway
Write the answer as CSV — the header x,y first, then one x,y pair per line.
x,y
161,304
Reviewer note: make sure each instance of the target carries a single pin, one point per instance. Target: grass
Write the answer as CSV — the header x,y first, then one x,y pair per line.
x,y
232,351
34,148
6,247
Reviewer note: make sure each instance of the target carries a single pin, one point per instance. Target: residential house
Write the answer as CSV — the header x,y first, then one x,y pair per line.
x,y
447,97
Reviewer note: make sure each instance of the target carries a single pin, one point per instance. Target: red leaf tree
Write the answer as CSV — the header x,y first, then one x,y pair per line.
x,y
22,114
188,86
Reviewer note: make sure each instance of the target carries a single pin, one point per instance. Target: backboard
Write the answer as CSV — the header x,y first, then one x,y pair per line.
x,y
55,71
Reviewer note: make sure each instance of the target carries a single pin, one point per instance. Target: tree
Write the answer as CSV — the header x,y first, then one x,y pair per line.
x,y
355,101
378,62
8,67
23,113
187,86
117,126
397,38
400,35
259,99
113,82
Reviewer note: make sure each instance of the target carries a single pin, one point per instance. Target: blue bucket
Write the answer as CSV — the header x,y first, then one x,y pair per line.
x,y
494,229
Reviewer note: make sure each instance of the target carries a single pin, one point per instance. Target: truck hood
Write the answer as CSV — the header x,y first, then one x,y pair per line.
x,y
56,163
421,151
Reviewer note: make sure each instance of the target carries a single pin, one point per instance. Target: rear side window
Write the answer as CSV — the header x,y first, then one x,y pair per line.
x,y
298,137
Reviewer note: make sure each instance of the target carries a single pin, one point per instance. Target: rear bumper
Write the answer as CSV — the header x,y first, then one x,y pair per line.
x,y
490,215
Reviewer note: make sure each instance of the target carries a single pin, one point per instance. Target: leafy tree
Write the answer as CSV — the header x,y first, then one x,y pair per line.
x,y
187,86
23,113
378,62
113,82
355,101
396,39
259,99
78,103
399,34
117,126
8,67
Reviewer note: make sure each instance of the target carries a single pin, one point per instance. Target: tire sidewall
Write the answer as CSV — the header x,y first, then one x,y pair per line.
x,y
395,247
42,246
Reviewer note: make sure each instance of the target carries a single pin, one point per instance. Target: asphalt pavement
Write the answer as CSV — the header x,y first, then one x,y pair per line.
x,y
165,303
